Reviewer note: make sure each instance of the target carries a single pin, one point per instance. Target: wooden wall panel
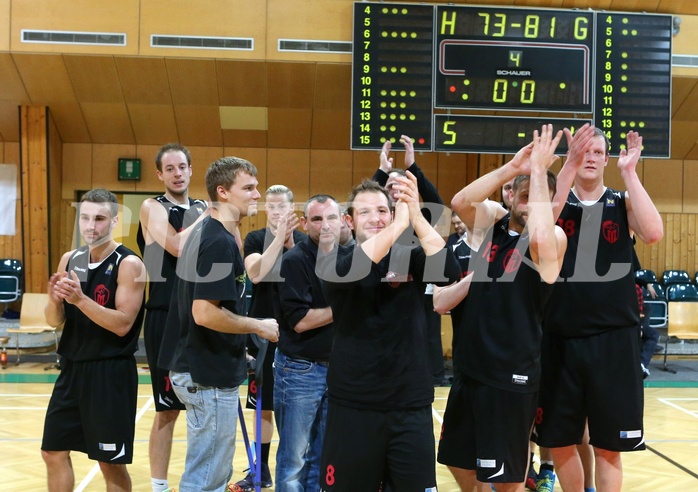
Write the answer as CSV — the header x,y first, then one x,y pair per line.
x,y
35,204
105,167
149,182
192,82
226,18
331,129
77,169
199,124
290,167
365,164
201,159
331,173
289,128
690,185
108,122
454,174
55,185
80,16
242,83
660,179
5,24
94,78
291,85
320,20
133,71
152,125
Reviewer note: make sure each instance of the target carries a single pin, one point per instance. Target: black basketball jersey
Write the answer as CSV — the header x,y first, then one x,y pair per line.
x,y
596,291
82,338
463,254
160,264
501,329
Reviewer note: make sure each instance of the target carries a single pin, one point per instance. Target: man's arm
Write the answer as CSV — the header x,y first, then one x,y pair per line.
x,y
157,228
431,241
211,315
547,241
577,146
258,265
643,216
446,298
472,204
128,297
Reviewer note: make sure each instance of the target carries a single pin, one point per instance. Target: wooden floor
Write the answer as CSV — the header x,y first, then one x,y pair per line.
x,y
669,463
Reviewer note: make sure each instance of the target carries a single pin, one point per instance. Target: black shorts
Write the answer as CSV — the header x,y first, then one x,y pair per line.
x,y
364,448
268,382
154,330
599,378
93,410
488,430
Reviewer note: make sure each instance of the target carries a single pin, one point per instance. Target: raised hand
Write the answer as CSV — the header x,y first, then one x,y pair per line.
x,y
409,150
386,163
629,157
543,148
578,144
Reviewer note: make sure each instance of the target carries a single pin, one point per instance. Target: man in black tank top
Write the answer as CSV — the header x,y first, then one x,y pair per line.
x,y
97,293
491,406
593,317
165,223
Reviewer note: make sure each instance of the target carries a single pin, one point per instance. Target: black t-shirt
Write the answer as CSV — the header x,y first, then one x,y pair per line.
x,y
501,330
160,264
379,359
82,338
301,291
597,291
209,268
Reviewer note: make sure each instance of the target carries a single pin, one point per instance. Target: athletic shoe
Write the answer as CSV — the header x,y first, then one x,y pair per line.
x,y
546,481
247,483
531,478
645,371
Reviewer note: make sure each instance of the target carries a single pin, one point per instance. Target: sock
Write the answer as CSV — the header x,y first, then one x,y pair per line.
x,y
266,446
547,465
159,484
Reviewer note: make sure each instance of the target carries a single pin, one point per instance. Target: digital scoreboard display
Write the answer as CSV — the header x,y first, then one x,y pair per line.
x,y
438,73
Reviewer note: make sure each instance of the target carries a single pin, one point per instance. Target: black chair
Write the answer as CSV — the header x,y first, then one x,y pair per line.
x,y
646,276
11,280
686,292
675,277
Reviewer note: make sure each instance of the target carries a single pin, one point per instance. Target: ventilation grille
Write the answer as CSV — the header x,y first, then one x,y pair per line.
x,y
201,42
684,61
314,45
69,37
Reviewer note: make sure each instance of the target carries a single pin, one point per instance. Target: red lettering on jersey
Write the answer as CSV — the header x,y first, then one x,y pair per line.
x,y
567,226
512,260
611,231
101,295
490,252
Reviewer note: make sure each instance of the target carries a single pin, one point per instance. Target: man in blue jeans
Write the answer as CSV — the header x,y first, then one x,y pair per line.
x,y
301,361
204,342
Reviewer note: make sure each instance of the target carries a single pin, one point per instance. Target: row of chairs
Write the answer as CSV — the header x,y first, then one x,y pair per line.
x,y
675,307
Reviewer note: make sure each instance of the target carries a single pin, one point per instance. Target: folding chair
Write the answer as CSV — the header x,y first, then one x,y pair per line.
x,y
683,315
11,280
32,321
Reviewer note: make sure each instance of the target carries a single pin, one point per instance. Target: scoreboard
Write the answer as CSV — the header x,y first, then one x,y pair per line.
x,y
462,78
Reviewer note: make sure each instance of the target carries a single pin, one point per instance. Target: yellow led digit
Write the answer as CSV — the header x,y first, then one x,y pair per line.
x,y
531,30
499,94
486,28
528,91
502,25
447,131
581,29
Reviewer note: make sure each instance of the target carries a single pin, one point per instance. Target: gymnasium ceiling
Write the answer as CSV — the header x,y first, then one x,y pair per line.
x,y
148,100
